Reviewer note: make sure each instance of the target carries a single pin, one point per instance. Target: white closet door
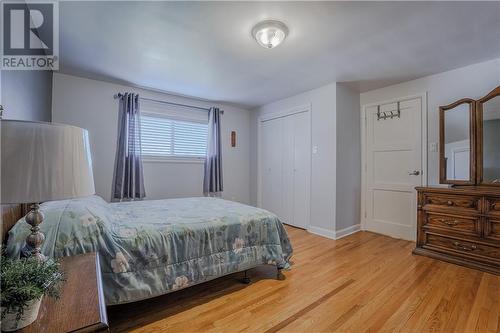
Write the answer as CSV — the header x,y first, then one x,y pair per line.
x,y
272,152
288,169
301,171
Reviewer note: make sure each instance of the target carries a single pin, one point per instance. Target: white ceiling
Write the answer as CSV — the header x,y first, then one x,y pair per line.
x,y
204,49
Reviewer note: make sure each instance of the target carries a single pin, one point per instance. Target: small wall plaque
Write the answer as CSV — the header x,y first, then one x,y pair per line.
x,y
233,139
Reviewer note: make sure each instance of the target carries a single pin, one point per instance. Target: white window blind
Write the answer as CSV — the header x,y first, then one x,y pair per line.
x,y
164,137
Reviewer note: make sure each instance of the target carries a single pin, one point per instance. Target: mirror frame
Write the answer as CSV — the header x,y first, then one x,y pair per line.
x,y
473,142
479,141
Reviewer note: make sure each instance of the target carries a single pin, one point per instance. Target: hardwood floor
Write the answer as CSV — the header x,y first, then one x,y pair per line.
x,y
362,283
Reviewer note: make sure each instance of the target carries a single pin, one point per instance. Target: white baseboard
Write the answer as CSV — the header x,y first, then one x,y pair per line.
x,y
347,231
321,232
334,234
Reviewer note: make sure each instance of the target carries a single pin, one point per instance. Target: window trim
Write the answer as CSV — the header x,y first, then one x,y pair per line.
x,y
158,114
171,159
174,158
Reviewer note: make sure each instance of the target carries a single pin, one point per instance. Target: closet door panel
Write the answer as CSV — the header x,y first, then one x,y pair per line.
x,y
302,169
271,143
288,169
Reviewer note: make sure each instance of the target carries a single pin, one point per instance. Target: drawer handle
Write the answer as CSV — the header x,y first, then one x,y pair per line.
x,y
465,247
449,203
450,222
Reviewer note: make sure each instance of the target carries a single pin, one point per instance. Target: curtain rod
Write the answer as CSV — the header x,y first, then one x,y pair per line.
x,y
170,103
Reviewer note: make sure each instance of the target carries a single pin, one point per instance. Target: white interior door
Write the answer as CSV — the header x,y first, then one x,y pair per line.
x,y
272,184
393,169
301,169
288,151
285,155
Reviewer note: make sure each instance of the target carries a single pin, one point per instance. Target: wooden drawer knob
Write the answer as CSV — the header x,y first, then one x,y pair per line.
x,y
450,203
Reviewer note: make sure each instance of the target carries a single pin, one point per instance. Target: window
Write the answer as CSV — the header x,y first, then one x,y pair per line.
x,y
164,137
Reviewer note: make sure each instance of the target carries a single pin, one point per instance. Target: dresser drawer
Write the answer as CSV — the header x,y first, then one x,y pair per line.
x,y
459,203
463,248
493,206
492,229
459,224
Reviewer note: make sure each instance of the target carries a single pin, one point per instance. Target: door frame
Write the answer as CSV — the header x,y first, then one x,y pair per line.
x,y
424,147
280,114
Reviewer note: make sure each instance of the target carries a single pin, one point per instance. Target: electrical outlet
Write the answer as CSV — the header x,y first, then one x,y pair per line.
x,y
315,150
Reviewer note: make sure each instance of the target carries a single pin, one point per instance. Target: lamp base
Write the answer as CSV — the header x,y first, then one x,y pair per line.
x,y
35,239
27,252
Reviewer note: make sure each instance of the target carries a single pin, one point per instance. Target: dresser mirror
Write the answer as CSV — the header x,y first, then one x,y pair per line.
x,y
488,110
469,141
457,143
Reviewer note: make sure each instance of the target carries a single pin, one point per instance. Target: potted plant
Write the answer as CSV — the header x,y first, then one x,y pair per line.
x,y
23,284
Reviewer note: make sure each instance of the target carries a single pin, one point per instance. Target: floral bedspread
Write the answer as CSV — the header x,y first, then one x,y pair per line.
x,y
148,248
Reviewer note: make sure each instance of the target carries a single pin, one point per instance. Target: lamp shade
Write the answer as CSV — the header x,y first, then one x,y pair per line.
x,y
44,162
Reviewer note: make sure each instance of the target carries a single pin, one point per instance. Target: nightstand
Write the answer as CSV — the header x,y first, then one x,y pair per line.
x,y
81,307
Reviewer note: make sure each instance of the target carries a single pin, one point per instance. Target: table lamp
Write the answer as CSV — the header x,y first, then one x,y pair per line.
x,y
43,162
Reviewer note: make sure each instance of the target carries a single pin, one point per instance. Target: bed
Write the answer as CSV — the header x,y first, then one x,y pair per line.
x,y
153,247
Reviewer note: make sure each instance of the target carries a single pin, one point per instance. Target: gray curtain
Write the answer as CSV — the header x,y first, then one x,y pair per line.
x,y
128,178
212,182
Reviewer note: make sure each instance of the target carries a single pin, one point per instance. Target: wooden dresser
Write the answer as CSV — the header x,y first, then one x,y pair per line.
x,y
460,225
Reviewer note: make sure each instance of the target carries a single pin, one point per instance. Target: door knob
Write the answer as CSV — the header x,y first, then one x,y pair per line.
x,y
414,173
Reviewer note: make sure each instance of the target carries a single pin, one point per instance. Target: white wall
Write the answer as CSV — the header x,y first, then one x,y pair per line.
x,y
90,104
26,95
323,128
457,124
473,81
348,197
491,163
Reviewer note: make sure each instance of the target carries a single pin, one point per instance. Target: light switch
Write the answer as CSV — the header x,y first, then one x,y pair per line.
x,y
433,147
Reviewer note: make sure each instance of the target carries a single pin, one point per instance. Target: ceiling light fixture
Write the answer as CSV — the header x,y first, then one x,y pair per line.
x,y
270,33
